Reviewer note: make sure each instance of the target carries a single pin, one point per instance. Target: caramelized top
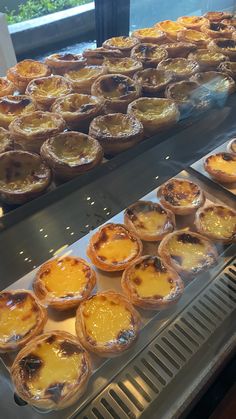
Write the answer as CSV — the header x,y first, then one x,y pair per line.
x,y
218,221
30,69
192,22
180,193
169,26
115,86
16,105
76,103
227,44
222,162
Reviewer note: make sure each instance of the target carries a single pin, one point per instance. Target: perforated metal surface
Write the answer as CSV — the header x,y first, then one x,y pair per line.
x,y
141,383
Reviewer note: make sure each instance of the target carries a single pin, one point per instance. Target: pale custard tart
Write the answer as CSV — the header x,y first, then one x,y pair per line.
x,y
198,38
113,247
78,110
181,67
47,89
123,43
218,30
156,114
216,222
23,176
193,22
149,220
179,49
83,78
207,60
13,106
187,253
151,285
219,84
107,324
153,81
225,46
221,167
116,132
181,196
63,62
228,67
31,130
117,91
96,56
150,35
6,143
22,318
71,153
149,54
6,87
217,16
25,71
231,146
126,66
170,28
62,283
52,371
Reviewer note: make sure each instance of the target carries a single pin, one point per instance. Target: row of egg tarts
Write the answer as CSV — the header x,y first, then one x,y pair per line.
x,y
106,323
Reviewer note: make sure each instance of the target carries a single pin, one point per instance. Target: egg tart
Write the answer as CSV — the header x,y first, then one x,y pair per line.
x,y
207,60
126,66
181,67
228,67
170,28
78,110
216,222
83,78
23,176
187,253
225,46
25,71
219,84
217,16
6,143
13,106
231,147
150,35
52,371
107,324
96,56
149,220
6,87
179,49
229,22
192,22
198,38
123,43
113,247
217,30
22,318
221,167
71,153
153,81
151,285
47,89
64,282
149,54
116,132
63,62
31,130
116,90
156,114
181,196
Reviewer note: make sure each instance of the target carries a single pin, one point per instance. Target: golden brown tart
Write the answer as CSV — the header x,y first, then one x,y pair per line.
x,y
151,285
78,110
6,87
63,62
22,318
216,222
179,49
83,78
107,324
181,67
6,143
12,106
116,132
222,167
231,147
229,22
117,91
149,54
23,176
156,114
123,43
96,56
217,16
181,196
62,283
149,220
153,81
217,30
126,66
31,130
71,153
198,38
25,71
192,22
225,46
219,84
150,35
170,28
52,371
47,89
207,60
228,67
113,247
187,253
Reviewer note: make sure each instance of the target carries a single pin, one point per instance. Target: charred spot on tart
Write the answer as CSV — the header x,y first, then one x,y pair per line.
x,y
217,26
69,348
178,259
51,339
226,43
30,366
124,336
46,272
67,57
158,265
54,391
227,157
137,280
102,238
10,105
87,107
188,238
17,298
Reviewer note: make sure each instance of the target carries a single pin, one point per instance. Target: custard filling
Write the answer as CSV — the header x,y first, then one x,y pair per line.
x,y
33,124
150,110
181,193
76,103
121,41
50,87
170,26
179,66
72,151
120,65
20,177
84,73
155,33
193,35
29,69
219,221
223,164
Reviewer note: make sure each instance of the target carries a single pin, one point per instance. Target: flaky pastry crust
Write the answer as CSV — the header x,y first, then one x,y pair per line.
x,y
13,106
217,30
25,71
6,143
198,38
225,46
83,78
153,81
217,16
228,67
123,43
216,222
222,167
181,67
6,87
63,62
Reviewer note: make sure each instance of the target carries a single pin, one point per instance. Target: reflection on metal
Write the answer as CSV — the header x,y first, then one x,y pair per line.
x,y
58,251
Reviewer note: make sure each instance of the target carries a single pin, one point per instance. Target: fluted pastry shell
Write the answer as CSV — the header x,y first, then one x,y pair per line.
x,y
23,176
149,54
231,146
221,167
13,106
170,28
192,22
228,67
63,282
217,222
63,62
95,314
179,49
126,66
181,67
96,56
6,143
123,43
22,318
83,78
153,81
116,132
206,59
149,284
150,35
198,38
46,90
225,46
219,84
218,30
31,130
6,87
217,16
25,71
113,247
52,371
